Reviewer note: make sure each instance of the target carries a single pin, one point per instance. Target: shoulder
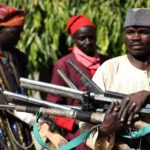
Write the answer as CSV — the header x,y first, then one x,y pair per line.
x,y
103,58
113,64
20,56
63,61
115,61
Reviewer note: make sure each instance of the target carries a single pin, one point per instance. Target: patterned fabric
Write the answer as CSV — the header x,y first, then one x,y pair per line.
x,y
9,75
10,126
10,16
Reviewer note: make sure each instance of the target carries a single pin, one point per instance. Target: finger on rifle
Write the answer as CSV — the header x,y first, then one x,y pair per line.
x,y
136,116
132,108
111,107
130,118
137,109
123,109
117,106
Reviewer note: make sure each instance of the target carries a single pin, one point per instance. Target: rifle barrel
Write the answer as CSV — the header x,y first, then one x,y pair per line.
x,y
13,97
70,93
51,88
89,117
66,79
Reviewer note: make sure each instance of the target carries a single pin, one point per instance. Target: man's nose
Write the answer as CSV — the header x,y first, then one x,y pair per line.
x,y
87,41
136,36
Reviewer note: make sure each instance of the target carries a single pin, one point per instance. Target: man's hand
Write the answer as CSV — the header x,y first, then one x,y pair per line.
x,y
132,104
111,121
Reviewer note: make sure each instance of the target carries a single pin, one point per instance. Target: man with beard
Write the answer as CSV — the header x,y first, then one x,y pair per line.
x,y
130,74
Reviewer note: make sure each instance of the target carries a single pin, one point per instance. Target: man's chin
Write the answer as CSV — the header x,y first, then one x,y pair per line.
x,y
140,55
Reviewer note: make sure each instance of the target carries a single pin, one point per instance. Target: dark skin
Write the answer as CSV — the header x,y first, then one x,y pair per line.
x,y
9,37
132,104
137,41
85,40
111,120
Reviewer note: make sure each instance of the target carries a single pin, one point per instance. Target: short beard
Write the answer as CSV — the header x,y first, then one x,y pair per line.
x,y
143,58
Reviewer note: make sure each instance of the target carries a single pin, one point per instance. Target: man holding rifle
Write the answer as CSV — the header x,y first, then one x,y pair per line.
x,y
130,73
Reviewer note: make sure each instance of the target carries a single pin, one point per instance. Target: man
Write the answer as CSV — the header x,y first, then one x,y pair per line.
x,y
130,73
14,134
84,55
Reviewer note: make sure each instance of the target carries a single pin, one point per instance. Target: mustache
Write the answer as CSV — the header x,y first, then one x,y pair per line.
x,y
135,43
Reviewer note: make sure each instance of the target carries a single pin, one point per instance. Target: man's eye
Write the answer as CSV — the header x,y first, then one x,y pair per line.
x,y
129,32
144,32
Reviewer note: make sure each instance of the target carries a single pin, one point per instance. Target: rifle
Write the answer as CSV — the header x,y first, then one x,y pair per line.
x,y
10,97
66,79
82,96
86,80
89,117
47,108
87,105
92,86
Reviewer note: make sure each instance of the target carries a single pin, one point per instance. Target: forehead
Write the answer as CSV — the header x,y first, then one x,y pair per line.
x,y
11,29
87,30
137,28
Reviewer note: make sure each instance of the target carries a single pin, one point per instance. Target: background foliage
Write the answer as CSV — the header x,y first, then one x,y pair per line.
x,y
45,40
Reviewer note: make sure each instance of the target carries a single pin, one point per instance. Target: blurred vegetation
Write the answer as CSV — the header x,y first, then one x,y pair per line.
x,y
45,40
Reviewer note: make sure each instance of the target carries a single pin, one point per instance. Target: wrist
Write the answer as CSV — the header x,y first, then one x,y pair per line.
x,y
101,131
147,96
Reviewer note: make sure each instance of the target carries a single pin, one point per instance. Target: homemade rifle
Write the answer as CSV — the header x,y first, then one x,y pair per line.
x,y
88,117
10,97
86,80
66,79
82,96
92,86
47,108
87,105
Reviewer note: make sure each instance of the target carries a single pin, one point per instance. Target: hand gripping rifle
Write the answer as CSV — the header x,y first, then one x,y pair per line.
x,y
81,96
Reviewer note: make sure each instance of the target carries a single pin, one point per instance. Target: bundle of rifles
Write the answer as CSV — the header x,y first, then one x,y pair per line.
x,y
94,102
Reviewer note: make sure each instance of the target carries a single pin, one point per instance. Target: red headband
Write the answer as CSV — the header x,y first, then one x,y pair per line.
x,y
10,16
77,22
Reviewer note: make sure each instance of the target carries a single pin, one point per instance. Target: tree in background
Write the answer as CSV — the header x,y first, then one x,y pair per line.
x,y
45,40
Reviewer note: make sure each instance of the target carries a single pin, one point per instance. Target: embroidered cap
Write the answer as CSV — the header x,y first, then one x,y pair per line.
x,y
137,17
